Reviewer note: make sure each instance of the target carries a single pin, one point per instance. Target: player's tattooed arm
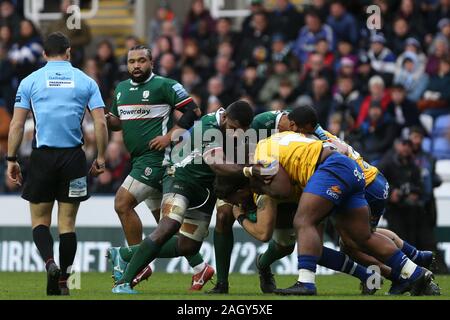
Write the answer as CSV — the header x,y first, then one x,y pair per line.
x,y
266,215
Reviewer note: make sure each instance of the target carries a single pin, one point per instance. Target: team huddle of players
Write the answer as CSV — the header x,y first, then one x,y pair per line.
x,y
294,177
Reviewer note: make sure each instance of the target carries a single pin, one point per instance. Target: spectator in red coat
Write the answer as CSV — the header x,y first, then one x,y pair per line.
x,y
378,93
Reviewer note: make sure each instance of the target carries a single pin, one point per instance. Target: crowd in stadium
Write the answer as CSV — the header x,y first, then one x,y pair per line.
x,y
376,88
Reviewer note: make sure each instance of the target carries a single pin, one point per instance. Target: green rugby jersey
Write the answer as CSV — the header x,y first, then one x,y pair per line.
x,y
267,122
190,167
145,110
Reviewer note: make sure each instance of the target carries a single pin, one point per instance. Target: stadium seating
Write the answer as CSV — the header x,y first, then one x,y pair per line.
x,y
441,142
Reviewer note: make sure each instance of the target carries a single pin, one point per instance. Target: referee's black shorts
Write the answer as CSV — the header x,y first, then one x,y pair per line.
x,y
57,174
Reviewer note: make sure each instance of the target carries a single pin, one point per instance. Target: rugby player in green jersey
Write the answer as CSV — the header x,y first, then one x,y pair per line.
x,y
189,198
143,108
264,124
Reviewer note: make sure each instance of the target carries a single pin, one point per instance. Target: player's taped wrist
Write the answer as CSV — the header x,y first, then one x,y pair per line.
x,y
318,130
248,171
11,158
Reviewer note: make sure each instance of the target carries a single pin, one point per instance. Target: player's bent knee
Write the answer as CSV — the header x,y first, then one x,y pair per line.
x,y
174,206
196,225
301,221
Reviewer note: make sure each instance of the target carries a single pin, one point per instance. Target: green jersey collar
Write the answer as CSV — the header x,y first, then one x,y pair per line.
x,y
149,78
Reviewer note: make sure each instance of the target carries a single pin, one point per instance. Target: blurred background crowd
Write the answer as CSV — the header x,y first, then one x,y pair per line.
x,y
386,91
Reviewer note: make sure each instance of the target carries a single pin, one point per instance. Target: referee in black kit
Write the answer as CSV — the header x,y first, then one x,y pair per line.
x,y
57,95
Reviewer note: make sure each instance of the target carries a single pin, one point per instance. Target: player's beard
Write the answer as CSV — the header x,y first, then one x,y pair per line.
x,y
141,77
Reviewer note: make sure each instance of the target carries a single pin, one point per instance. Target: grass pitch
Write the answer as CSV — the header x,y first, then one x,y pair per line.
x,y
163,286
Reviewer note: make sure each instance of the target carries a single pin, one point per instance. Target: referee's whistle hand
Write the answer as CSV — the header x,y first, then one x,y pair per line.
x,y
14,173
159,143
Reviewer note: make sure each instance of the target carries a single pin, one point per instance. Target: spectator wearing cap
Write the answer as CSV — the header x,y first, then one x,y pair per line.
x,y
308,36
344,25
402,110
10,18
436,98
444,28
411,77
382,60
346,67
164,13
378,133
377,95
285,19
438,50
